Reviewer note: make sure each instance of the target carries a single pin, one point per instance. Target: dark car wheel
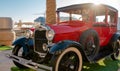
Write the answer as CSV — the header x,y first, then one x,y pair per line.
x,y
69,60
18,51
115,55
90,41
116,46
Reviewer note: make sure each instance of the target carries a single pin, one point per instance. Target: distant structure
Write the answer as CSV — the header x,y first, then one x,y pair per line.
x,y
21,28
21,25
40,20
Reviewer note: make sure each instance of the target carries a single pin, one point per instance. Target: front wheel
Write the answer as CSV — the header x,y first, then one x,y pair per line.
x,y
69,60
18,51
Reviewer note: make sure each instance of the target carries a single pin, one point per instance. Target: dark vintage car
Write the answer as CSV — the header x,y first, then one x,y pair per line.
x,y
89,34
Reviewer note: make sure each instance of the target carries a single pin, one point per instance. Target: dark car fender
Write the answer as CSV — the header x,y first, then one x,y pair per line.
x,y
62,45
115,37
23,42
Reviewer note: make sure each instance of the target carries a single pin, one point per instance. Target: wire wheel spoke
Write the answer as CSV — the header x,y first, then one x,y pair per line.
x,y
69,62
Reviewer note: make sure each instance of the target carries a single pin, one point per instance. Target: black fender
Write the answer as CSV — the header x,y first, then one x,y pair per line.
x,y
62,45
23,42
115,37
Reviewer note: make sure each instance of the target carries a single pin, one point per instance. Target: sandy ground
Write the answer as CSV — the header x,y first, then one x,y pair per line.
x,y
5,63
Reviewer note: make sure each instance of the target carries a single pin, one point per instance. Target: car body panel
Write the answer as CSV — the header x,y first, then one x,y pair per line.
x,y
63,45
67,29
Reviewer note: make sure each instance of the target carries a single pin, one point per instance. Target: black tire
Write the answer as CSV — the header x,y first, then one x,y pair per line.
x,y
90,42
69,60
115,55
16,51
116,48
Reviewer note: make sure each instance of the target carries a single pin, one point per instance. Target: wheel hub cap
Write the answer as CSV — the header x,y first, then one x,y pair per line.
x,y
72,67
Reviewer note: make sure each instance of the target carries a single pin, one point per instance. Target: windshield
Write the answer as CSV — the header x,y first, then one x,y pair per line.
x,y
81,15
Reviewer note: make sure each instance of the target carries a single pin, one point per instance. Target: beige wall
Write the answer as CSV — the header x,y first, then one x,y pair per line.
x,y
7,36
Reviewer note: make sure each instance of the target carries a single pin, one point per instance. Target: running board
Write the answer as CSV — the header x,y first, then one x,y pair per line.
x,y
29,63
102,55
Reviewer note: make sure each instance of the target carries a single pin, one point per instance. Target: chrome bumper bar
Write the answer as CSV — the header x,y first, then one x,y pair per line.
x,y
29,63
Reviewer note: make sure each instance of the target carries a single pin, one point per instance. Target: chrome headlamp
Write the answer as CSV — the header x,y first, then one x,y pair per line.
x,y
50,34
28,33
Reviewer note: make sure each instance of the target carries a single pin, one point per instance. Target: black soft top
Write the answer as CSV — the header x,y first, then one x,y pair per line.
x,y
82,6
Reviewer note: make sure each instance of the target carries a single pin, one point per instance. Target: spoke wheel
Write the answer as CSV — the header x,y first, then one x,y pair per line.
x,y
115,55
69,60
90,47
90,41
116,47
18,51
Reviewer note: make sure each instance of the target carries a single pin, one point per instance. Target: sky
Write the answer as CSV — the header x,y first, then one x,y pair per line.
x,y
28,10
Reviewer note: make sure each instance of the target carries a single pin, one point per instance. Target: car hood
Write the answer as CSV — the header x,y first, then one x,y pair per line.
x,y
65,28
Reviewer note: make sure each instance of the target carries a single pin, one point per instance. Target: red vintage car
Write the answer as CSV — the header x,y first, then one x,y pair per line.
x,y
88,34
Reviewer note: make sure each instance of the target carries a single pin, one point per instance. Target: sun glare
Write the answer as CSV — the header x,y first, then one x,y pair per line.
x,y
113,3
96,2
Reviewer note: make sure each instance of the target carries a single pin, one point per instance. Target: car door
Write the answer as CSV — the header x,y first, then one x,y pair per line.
x,y
100,24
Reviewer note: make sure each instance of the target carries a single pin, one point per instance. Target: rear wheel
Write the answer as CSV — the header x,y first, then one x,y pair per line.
x,y
69,60
115,55
90,41
116,46
18,51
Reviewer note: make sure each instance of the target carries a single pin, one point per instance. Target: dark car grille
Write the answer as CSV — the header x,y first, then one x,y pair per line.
x,y
40,39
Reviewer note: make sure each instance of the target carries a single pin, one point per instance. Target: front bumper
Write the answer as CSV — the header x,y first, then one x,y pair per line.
x,y
29,63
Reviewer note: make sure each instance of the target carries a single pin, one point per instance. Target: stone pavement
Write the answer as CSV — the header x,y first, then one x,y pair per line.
x,y
5,63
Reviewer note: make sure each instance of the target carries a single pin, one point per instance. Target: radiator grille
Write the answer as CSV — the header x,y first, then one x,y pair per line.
x,y
40,39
